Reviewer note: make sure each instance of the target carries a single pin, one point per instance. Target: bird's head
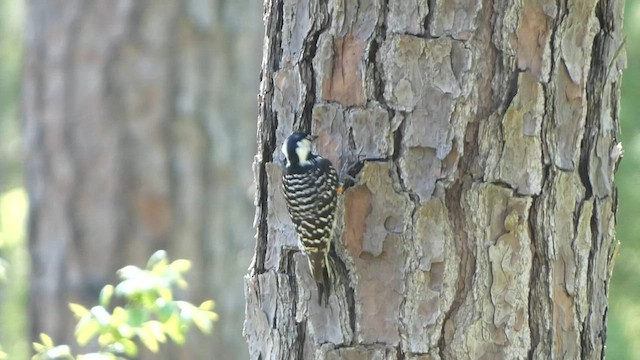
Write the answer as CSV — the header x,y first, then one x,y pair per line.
x,y
297,148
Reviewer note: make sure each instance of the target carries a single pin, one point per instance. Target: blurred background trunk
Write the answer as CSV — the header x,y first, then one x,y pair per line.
x,y
139,127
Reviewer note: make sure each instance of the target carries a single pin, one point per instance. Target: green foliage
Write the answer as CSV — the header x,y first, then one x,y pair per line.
x,y
13,210
3,271
46,350
624,308
11,28
150,315
14,264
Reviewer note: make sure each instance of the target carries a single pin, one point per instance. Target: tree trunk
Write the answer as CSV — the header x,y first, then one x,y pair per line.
x,y
134,131
481,225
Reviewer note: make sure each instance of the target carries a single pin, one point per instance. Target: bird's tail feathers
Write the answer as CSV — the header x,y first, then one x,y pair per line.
x,y
320,268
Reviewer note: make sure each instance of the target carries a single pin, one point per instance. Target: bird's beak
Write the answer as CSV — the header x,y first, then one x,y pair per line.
x,y
312,137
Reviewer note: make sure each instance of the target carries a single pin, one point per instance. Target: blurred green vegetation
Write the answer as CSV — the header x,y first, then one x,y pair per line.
x,y
624,299
13,206
624,304
150,316
11,24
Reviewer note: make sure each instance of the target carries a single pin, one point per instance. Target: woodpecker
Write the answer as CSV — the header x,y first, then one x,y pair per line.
x,y
310,185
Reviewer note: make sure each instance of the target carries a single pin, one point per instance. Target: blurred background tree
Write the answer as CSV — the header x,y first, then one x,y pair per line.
x,y
139,129
138,122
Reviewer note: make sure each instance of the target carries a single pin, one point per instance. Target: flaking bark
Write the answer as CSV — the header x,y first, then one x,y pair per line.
x,y
481,224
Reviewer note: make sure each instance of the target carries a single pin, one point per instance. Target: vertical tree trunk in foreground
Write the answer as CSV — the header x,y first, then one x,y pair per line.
x,y
481,225
134,130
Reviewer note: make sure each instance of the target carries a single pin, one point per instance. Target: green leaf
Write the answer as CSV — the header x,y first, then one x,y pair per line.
x,y
182,283
106,339
86,329
157,329
213,316
137,316
120,316
186,310
60,352
126,331
157,257
208,305
202,321
173,328
159,269
46,340
130,272
148,339
129,347
165,293
78,310
132,287
181,265
101,315
166,309
106,294
38,347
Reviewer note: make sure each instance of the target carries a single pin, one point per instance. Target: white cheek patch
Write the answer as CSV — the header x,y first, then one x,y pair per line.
x,y
303,149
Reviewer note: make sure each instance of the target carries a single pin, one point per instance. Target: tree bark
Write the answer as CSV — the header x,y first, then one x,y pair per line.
x,y
134,131
481,224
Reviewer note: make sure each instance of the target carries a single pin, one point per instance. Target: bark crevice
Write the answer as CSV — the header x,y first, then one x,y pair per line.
x,y
267,125
490,260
